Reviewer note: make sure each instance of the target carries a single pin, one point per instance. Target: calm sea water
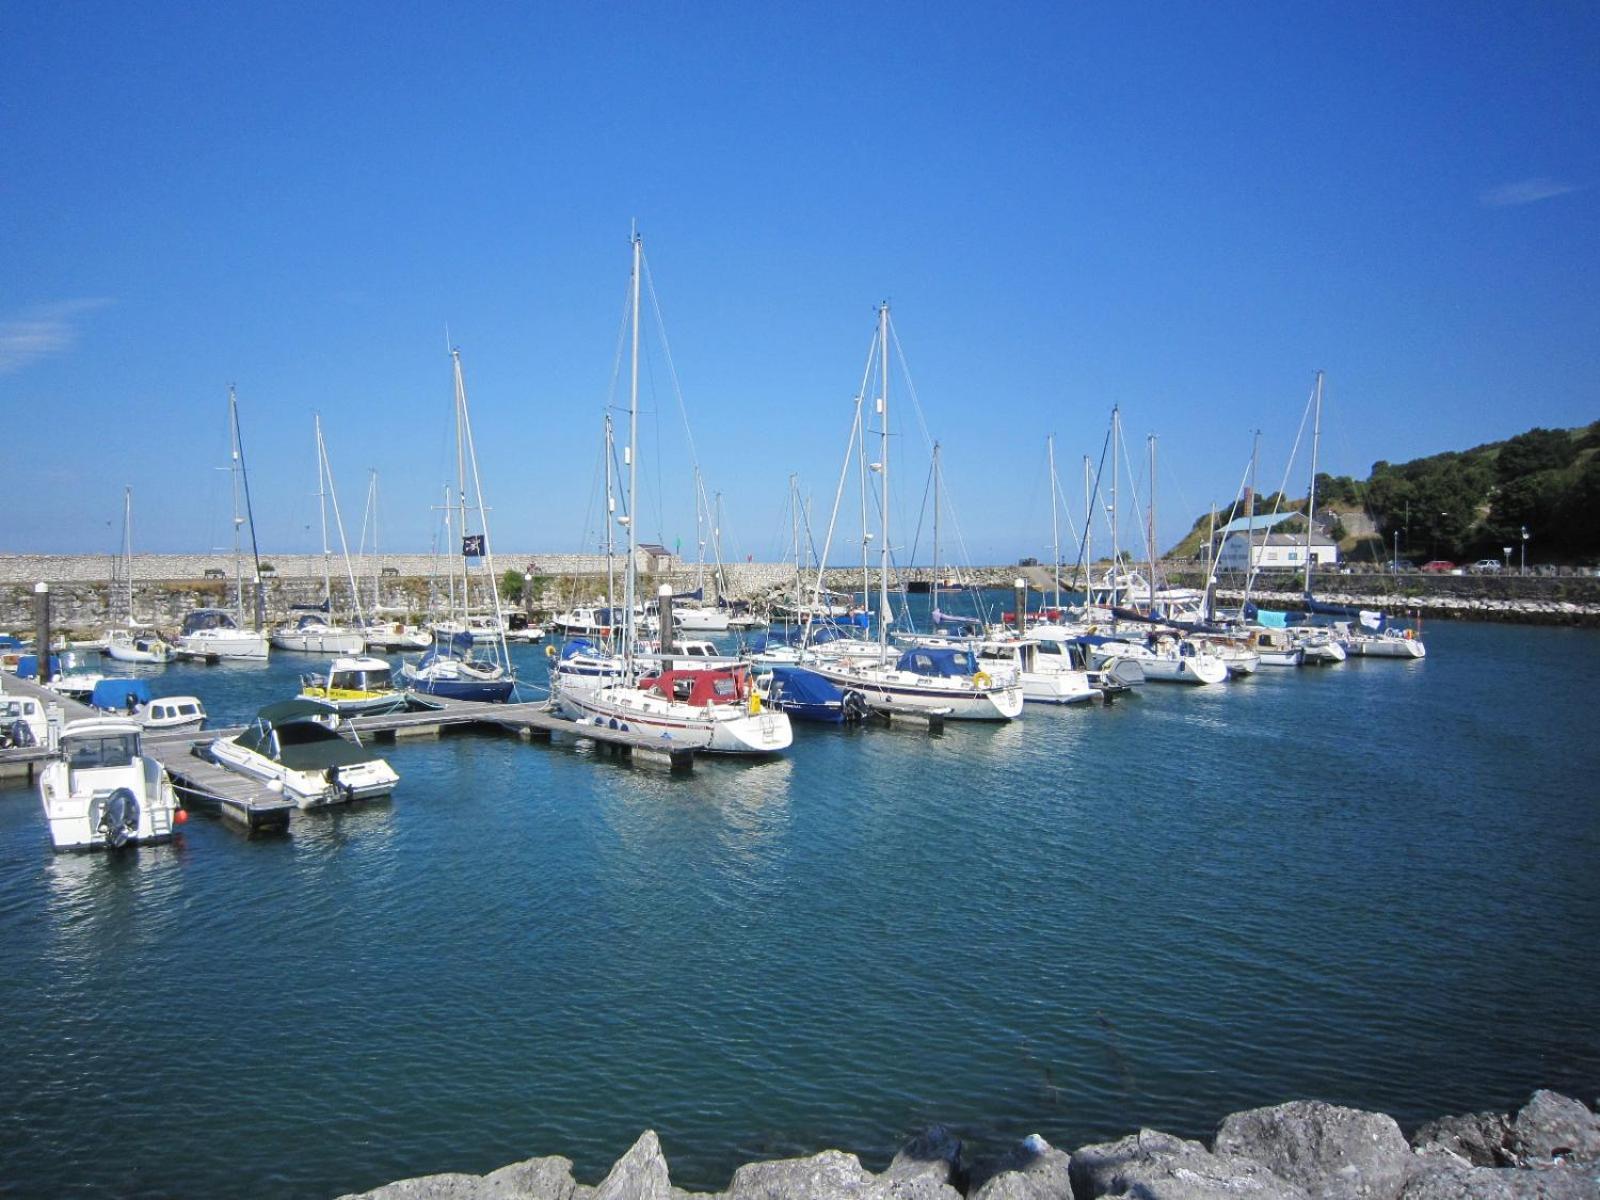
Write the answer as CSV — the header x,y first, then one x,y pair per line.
x,y
1378,884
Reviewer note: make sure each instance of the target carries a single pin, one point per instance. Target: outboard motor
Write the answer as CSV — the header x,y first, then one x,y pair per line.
x,y
119,821
21,733
853,705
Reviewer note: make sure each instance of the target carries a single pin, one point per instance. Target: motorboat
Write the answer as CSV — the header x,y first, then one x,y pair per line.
x,y
933,679
76,685
1046,674
355,685
1391,643
313,633
714,708
124,697
1164,659
295,746
212,634
450,669
701,618
102,792
1275,648
1321,647
23,722
520,629
137,646
172,714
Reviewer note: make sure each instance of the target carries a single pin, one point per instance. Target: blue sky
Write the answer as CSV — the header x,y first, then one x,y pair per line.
x,y
1181,209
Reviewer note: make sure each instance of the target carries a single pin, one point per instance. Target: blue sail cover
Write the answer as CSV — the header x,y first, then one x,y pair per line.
x,y
576,647
119,695
938,660
806,695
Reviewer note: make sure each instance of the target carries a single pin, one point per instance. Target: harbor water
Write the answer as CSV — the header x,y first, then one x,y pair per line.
x,y
1376,884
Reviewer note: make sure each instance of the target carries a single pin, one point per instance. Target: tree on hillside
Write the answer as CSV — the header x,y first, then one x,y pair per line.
x,y
1535,451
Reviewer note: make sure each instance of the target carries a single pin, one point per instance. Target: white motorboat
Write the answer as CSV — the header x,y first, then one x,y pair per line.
x,y
1320,646
313,633
293,745
700,619
1045,672
137,646
1391,643
1165,659
168,713
212,634
354,686
102,792
1275,648
23,722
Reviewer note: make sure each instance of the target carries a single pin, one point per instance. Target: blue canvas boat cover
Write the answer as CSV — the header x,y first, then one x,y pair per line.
x,y
938,660
119,695
800,686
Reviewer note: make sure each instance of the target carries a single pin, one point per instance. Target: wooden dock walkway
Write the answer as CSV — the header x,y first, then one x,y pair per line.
x,y
253,805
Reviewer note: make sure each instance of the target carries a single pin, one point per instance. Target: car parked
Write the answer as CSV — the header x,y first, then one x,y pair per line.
x,y
1439,566
1485,566
1402,565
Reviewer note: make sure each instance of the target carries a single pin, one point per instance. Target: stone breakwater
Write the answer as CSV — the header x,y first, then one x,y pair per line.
x,y
1445,605
1304,1150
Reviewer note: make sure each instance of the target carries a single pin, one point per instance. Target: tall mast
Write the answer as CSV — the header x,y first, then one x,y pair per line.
x,y
883,464
461,481
1055,532
1311,498
1116,554
866,535
1250,526
372,506
611,542
1088,523
699,531
935,589
322,512
794,522
631,457
1152,546
238,519
127,549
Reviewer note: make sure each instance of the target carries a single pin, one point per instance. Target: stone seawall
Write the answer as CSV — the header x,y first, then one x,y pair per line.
x,y
1303,1150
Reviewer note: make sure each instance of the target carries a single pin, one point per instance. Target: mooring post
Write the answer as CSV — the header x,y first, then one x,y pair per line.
x,y
41,622
664,618
1020,591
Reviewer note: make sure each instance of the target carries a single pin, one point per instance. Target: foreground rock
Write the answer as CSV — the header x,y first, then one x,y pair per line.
x,y
1333,1153
1305,1150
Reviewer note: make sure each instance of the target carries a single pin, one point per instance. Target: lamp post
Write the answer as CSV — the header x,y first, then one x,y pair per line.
x,y
1524,568
1396,566
1507,550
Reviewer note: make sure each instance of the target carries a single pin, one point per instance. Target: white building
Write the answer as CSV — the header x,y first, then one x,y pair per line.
x,y
1274,551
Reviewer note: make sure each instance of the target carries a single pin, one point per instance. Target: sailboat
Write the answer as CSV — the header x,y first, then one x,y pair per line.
x,y
716,708
213,634
313,632
128,642
383,636
939,679
451,668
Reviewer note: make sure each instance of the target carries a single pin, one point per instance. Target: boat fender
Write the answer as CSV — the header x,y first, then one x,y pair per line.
x,y
1410,633
119,821
981,680
550,651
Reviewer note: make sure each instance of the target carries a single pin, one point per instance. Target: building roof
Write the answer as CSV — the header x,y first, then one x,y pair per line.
x,y
1259,521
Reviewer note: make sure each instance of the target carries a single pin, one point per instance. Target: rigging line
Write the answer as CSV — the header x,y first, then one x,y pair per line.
x,y
1094,492
857,429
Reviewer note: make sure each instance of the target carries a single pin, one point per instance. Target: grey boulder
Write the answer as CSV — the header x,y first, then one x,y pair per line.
x,y
831,1175
1449,1181
450,1185
640,1174
1552,1127
1476,1139
1157,1166
1333,1153
1032,1170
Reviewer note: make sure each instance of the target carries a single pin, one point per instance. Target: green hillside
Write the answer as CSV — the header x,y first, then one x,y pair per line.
x,y
1467,504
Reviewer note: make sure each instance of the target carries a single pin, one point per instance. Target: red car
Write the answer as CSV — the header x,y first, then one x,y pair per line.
x,y
1439,566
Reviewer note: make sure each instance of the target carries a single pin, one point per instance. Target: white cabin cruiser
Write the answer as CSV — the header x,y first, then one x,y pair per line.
x,y
167,713
1045,672
393,636
23,722
101,792
355,685
293,745
211,634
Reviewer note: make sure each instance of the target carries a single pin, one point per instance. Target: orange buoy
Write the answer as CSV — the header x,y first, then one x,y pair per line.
x,y
181,816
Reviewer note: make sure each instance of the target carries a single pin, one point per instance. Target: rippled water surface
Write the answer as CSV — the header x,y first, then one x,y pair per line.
x,y
1378,884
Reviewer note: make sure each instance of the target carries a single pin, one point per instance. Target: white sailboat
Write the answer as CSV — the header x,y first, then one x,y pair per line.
x,y
315,632
128,641
942,680
716,709
450,668
213,634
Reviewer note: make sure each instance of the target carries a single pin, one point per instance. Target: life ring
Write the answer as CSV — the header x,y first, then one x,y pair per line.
x,y
981,680
550,651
